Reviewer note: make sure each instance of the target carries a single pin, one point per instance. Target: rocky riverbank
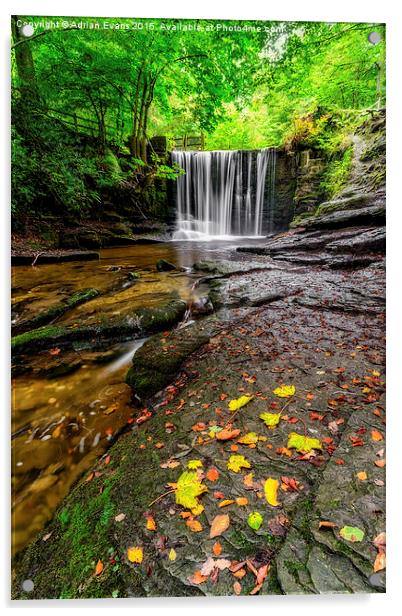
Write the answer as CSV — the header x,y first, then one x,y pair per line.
x,y
305,309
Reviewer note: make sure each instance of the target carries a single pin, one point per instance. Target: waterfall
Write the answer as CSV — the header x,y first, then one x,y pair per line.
x,y
225,193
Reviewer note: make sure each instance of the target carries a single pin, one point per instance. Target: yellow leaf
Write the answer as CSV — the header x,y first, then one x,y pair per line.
x,y
362,476
285,391
375,373
270,419
271,491
135,554
248,439
188,487
197,510
219,524
234,405
193,464
236,462
303,444
172,554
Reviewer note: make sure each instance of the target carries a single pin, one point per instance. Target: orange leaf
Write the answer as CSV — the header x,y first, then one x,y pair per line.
x,y
376,435
99,567
380,463
262,573
310,396
197,578
248,480
240,573
225,503
212,474
218,494
185,514
194,525
242,501
151,524
227,434
219,524
362,475
217,548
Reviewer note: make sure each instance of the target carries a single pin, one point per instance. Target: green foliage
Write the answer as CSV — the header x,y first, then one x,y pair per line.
x,y
336,174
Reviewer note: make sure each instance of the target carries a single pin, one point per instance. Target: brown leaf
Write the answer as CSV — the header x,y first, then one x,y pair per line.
x,y
219,524
326,524
237,588
262,573
379,563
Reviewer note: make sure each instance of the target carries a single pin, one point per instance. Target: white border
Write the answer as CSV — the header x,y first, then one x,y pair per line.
x,y
388,11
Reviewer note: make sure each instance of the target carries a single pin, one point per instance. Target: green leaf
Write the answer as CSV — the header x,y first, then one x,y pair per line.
x,y
352,533
236,462
303,444
255,520
270,419
188,487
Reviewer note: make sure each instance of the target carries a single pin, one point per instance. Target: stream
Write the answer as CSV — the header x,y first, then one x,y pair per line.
x,y
68,405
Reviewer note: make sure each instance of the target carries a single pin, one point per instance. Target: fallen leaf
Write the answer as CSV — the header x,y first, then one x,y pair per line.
x,y
362,475
270,419
120,517
172,554
255,520
170,464
217,548
99,567
271,491
135,554
150,524
262,573
285,391
235,405
212,474
189,487
194,464
197,578
194,526
326,524
379,563
236,462
226,502
380,463
351,533
197,510
237,588
380,541
240,573
218,494
284,451
248,439
227,434
219,524
376,435
242,501
290,484
248,480
303,444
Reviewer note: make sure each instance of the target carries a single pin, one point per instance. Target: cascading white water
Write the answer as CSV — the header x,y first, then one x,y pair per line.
x,y
224,194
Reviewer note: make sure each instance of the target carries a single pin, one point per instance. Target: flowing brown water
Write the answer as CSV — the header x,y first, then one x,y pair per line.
x,y
69,404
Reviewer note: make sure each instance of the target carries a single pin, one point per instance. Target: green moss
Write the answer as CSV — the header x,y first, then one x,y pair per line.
x,y
56,311
40,335
336,174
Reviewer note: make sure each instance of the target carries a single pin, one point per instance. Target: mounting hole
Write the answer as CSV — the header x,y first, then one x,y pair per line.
x,y
28,585
374,38
27,30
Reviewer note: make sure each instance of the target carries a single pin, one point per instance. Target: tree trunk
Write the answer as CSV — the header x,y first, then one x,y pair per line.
x,y
26,69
